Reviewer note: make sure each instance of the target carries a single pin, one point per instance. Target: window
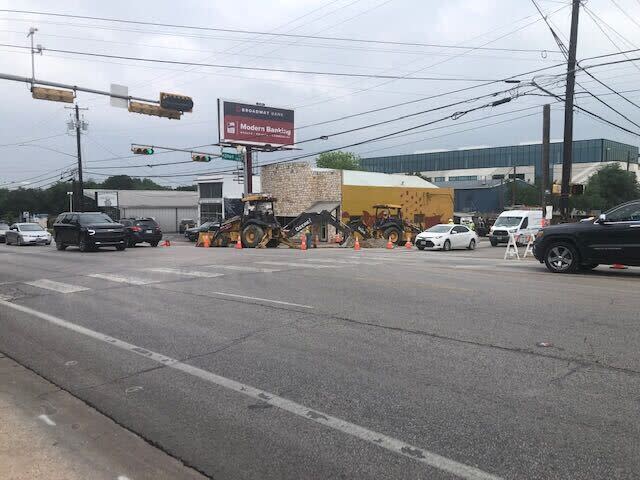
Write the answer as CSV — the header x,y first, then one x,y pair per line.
x,y
438,179
211,190
30,227
525,223
210,211
497,177
460,178
625,213
460,229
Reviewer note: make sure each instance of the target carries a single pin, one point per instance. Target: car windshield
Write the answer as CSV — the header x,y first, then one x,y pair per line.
x,y
147,223
95,218
439,229
30,228
4,226
508,221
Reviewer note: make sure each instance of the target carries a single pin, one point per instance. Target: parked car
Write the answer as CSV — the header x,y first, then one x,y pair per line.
x,y
27,234
140,230
186,223
192,233
88,230
447,237
514,222
3,228
612,238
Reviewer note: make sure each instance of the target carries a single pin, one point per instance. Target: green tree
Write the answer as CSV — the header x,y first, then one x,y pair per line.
x,y
187,188
526,193
339,160
608,187
125,182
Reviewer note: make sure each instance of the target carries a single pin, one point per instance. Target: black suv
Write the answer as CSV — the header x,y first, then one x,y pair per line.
x,y
139,230
88,231
613,238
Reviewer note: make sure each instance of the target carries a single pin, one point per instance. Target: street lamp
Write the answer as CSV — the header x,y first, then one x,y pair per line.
x,y
70,194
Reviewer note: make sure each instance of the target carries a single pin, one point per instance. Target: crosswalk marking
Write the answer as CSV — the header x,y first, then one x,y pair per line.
x,y
56,286
341,262
239,268
123,279
294,264
189,273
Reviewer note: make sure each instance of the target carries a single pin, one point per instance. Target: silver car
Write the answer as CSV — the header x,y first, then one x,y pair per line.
x,y
3,228
27,234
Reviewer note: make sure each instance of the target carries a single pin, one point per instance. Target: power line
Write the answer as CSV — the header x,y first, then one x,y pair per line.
x,y
32,140
624,12
255,32
260,69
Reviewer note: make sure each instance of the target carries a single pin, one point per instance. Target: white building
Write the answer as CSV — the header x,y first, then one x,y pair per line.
x,y
219,196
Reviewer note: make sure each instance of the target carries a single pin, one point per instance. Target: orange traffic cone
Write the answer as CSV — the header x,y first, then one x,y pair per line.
x,y
618,266
408,245
239,243
303,245
206,241
356,246
167,243
389,245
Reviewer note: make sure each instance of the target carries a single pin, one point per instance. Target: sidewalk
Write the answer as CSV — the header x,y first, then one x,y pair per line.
x,y
48,434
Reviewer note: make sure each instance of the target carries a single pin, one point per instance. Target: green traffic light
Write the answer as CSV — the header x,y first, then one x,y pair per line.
x,y
148,151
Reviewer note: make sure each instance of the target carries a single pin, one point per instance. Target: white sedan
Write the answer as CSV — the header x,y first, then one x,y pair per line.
x,y
447,237
27,234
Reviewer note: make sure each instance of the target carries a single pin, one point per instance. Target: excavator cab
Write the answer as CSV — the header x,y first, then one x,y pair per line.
x,y
389,223
259,226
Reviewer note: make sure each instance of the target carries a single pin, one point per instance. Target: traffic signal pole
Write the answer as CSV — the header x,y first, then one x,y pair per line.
x,y
80,199
568,113
248,172
546,134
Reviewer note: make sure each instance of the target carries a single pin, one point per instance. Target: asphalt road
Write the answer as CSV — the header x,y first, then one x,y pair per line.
x,y
331,363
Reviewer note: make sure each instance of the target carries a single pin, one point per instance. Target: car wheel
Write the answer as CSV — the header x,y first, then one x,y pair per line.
x,y
420,247
447,246
19,242
59,245
494,243
84,245
121,248
7,241
130,243
472,244
561,258
154,244
252,235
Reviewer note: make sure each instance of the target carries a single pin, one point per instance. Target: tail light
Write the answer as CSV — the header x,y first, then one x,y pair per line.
x,y
136,229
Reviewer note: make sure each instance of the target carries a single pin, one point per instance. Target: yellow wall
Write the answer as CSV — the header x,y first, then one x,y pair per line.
x,y
435,204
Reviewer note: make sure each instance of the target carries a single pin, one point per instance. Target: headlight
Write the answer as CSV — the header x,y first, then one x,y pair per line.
x,y
91,232
439,236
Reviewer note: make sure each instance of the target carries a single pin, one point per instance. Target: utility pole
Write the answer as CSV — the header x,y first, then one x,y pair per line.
x,y
513,187
546,134
568,113
248,172
78,125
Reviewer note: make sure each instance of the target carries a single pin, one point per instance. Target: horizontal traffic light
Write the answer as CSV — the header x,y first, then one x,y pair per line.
x,y
173,101
142,150
199,157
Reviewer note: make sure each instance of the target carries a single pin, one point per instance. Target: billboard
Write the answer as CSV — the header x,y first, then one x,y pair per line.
x,y
250,124
107,199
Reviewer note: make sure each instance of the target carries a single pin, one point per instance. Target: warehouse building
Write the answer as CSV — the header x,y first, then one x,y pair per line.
x,y
495,163
299,186
167,207
482,196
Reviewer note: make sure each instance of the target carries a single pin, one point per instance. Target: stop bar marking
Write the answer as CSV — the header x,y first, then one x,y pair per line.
x,y
389,443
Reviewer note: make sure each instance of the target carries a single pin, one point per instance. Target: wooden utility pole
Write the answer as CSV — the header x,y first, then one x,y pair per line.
x,y
546,134
248,172
568,113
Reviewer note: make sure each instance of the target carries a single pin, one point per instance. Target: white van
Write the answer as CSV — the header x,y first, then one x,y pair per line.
x,y
517,222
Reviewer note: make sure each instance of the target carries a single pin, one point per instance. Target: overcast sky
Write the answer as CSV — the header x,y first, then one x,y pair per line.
x,y
509,24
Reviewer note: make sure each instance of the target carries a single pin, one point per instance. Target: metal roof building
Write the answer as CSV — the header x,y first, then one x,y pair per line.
x,y
167,207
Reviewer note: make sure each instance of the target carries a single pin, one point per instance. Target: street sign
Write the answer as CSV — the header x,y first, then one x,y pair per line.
x,y
236,157
179,103
121,91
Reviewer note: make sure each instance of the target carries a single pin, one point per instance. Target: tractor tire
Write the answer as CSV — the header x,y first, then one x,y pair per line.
x,y
393,235
251,236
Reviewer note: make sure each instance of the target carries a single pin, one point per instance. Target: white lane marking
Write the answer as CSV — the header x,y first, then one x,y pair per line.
x,y
188,273
122,477
384,441
56,286
341,262
122,279
293,264
240,268
279,302
47,420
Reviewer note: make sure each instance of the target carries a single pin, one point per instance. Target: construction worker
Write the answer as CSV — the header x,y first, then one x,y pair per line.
x,y
450,221
309,235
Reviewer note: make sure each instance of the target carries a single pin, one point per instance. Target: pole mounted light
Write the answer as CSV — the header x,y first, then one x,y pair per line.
x,y
142,150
